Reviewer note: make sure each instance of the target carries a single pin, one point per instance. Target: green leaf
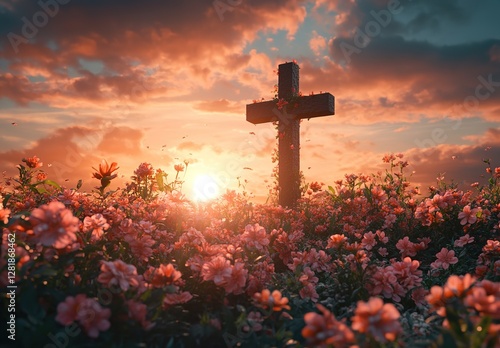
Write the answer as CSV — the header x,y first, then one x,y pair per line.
x,y
39,189
51,183
44,271
159,180
28,302
480,333
6,199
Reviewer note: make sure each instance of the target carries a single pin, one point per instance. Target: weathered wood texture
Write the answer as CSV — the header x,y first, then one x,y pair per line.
x,y
289,127
308,107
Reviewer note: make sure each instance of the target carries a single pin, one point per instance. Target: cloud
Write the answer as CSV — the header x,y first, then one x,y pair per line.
x,y
490,138
129,39
462,165
70,153
401,129
17,89
317,43
412,78
220,105
190,146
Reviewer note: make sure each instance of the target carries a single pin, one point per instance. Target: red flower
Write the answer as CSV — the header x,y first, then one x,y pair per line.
x,y
282,102
325,330
105,173
377,319
165,275
179,167
274,300
33,162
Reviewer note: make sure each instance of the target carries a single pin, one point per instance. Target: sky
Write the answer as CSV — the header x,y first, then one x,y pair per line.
x,y
167,81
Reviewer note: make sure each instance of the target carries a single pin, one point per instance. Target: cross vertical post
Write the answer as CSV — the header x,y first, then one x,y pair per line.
x,y
289,139
288,118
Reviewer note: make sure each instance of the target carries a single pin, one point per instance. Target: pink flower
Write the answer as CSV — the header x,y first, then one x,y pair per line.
x,y
389,221
445,258
377,319
141,246
191,238
406,247
255,237
382,237
118,273
378,194
218,270
382,282
67,311
138,312
87,311
418,296
174,299
54,225
368,241
468,215
309,292
308,276
97,224
462,241
407,273
254,320
144,171
93,317
236,282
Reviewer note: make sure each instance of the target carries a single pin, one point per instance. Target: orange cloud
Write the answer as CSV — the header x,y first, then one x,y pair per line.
x,y
221,105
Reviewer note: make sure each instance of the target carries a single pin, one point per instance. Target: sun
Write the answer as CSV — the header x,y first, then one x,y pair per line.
x,y
205,188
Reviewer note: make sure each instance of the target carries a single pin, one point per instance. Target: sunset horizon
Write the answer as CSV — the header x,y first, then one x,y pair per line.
x,y
168,83
235,173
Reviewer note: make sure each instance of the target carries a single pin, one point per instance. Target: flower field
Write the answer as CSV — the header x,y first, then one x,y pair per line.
x,y
365,262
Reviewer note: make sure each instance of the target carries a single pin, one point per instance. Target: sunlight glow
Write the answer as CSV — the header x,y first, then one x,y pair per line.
x,y
205,188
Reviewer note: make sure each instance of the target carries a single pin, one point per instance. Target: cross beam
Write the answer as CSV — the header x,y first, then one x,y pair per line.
x,y
288,118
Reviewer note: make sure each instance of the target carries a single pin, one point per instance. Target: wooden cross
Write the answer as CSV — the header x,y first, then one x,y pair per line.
x,y
288,118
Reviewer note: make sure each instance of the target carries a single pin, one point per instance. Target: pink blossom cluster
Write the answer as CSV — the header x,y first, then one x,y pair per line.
x,y
360,252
